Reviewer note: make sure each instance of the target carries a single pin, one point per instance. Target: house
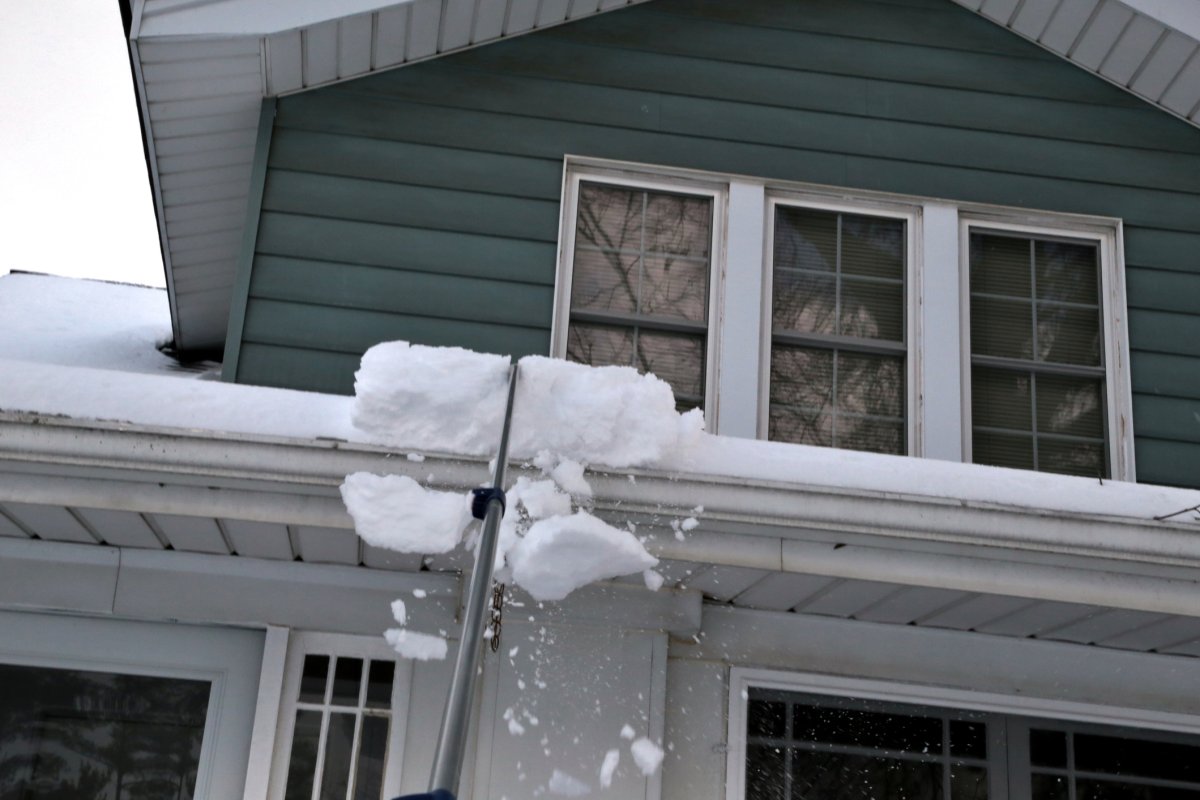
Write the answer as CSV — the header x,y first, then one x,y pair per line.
x,y
894,237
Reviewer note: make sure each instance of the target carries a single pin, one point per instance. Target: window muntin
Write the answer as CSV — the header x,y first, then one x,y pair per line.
x,y
1037,358
1098,764
838,371
640,283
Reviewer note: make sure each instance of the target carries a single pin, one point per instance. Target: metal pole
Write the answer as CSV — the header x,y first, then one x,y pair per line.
x,y
452,739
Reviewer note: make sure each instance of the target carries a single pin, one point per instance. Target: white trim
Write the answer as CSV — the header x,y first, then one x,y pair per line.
x,y
341,645
739,318
937,286
227,658
1107,235
718,192
266,713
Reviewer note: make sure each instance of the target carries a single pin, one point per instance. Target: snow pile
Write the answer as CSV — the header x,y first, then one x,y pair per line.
x,y
452,400
560,554
397,513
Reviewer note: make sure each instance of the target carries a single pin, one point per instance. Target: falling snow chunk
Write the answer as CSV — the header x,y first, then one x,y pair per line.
x,y
647,754
417,457
540,499
563,784
561,554
627,732
611,759
397,513
689,524
399,612
654,580
419,593
418,646
515,728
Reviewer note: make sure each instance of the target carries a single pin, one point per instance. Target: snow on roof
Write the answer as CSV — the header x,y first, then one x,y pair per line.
x,y
85,323
161,401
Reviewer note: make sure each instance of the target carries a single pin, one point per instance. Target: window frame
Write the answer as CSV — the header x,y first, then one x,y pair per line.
x,y
1058,714
1118,393
301,644
937,366
652,181
907,212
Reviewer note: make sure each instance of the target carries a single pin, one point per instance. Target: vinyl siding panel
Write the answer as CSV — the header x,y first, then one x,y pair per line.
x,y
423,203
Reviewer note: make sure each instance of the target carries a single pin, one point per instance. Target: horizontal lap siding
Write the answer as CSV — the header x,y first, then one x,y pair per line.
x,y
423,202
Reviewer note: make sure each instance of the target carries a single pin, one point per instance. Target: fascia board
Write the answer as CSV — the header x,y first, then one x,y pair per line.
x,y
248,17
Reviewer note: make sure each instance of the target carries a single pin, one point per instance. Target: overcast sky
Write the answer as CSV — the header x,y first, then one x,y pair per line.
x,y
74,196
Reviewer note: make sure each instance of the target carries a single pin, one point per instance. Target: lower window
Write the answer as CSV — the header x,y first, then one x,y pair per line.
x,y
78,733
814,747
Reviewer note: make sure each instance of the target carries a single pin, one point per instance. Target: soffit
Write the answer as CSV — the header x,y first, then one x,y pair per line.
x,y
203,67
1121,584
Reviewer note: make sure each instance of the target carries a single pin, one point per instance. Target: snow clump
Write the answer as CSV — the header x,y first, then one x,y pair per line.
x,y
446,399
611,759
647,754
397,513
563,784
560,554
418,646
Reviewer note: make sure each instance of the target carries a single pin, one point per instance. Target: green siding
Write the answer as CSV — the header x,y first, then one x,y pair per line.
x,y
423,203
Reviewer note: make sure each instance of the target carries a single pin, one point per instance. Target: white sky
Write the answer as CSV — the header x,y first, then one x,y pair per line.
x,y
74,196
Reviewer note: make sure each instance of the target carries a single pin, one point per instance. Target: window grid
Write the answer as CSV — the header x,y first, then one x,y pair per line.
x,y
359,782
638,323
1070,773
1035,368
839,345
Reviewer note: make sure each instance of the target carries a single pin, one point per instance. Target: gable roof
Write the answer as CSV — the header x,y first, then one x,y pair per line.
x,y
203,67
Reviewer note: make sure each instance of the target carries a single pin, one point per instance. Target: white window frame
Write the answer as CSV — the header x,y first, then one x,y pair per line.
x,y
910,215
742,679
302,643
226,658
656,181
937,296
1115,338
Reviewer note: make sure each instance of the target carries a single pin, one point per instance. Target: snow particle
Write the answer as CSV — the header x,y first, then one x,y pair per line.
x,y
399,612
419,646
419,594
417,457
627,732
611,759
647,754
563,784
654,581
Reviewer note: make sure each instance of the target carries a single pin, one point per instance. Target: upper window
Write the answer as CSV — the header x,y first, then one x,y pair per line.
x,y
837,357
1037,357
640,283
879,323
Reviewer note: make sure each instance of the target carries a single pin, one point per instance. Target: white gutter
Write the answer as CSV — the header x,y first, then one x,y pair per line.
x,y
920,541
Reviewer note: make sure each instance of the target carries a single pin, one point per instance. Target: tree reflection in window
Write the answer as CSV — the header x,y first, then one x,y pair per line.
x,y
640,284
837,330
77,735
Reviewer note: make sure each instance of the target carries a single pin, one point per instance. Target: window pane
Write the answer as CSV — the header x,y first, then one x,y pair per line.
x,y
835,776
1000,398
805,239
803,302
609,218
1002,449
605,282
1112,790
875,729
339,743
968,739
302,769
1067,272
1001,265
678,224
673,287
873,246
764,773
372,753
1001,328
1049,787
1069,406
1118,755
600,345
1048,748
968,783
872,310
346,681
766,718
1068,335
379,684
801,395
312,680
73,733
678,359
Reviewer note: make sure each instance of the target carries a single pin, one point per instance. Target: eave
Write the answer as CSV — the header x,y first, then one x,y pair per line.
x,y
203,67
917,560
